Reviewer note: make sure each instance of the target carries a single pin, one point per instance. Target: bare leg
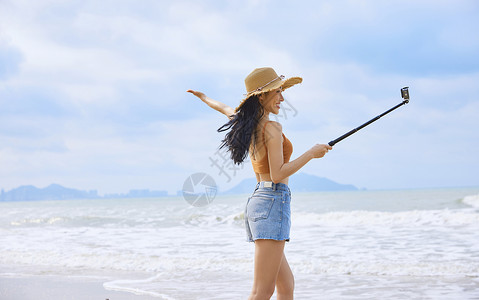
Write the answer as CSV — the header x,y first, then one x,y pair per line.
x,y
267,261
285,281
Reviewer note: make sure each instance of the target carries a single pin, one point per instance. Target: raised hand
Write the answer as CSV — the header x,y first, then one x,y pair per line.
x,y
198,94
216,105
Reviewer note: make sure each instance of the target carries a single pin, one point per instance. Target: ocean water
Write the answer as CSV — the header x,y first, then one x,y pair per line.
x,y
402,244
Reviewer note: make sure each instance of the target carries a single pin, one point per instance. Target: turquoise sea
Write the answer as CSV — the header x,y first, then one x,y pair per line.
x,y
392,244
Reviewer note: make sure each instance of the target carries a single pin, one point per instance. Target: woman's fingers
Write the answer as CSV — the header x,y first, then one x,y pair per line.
x,y
196,93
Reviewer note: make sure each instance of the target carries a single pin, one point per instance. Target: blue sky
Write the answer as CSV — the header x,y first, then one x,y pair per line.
x,y
92,93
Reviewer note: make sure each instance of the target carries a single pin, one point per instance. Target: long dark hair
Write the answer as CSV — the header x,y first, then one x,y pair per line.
x,y
242,127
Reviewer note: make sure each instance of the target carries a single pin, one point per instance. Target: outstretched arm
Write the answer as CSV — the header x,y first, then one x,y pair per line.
x,y
216,105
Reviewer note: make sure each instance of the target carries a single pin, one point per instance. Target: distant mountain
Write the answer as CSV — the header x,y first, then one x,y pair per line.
x,y
58,192
51,192
298,183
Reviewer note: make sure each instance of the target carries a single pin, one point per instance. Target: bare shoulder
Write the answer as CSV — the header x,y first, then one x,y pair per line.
x,y
274,125
273,129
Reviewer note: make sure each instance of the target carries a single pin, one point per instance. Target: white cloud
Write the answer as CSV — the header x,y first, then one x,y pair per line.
x,y
112,113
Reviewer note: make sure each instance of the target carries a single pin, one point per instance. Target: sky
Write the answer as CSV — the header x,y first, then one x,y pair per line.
x,y
93,93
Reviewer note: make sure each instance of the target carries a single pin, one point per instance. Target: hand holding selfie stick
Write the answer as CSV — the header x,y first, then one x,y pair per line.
x,y
404,95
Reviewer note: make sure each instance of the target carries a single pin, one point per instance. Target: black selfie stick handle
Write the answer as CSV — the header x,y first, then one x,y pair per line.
x,y
405,95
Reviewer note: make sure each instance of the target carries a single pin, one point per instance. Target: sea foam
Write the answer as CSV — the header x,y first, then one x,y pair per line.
x,y
472,200
376,218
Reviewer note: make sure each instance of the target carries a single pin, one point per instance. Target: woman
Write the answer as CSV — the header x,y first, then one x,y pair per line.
x,y
267,214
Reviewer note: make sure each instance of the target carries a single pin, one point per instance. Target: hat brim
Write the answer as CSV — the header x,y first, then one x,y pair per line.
x,y
285,84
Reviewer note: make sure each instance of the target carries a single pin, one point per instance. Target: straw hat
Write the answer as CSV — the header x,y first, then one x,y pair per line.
x,y
263,80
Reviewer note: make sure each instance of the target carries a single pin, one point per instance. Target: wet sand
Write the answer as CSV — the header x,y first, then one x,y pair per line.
x,y
59,287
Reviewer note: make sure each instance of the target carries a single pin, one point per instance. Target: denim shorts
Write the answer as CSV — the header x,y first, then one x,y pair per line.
x,y
268,212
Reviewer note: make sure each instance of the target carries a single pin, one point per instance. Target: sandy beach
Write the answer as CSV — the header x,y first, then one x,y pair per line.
x,y
60,287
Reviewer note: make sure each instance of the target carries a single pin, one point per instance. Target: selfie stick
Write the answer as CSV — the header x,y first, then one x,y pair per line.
x,y
404,95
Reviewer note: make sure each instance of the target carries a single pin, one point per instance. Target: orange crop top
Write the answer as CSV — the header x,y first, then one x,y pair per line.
x,y
262,166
